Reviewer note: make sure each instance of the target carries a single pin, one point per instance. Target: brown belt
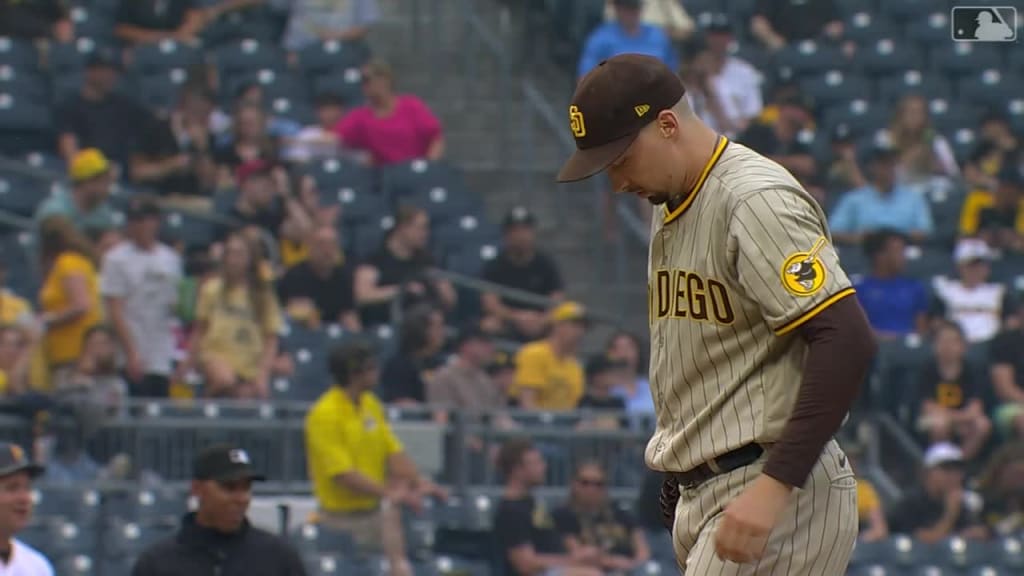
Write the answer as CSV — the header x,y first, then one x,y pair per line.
x,y
738,458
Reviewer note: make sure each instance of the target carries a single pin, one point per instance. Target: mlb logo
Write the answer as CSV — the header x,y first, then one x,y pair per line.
x,y
983,24
238,457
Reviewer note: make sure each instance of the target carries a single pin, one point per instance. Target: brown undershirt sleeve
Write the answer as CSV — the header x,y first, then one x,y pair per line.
x,y
841,346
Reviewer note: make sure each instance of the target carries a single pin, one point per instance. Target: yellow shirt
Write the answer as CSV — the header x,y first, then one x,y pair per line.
x,y
977,201
867,499
233,332
557,381
343,437
292,252
14,310
63,344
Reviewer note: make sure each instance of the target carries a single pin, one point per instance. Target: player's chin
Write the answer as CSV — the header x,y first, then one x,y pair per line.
x,y
657,199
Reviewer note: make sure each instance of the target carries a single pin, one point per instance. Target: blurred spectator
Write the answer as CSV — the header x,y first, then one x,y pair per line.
x,y
725,91
502,370
883,204
521,266
463,383
626,33
873,526
67,463
777,23
317,141
548,373
895,304
149,21
1002,485
524,530
16,476
14,310
1001,225
391,128
422,337
590,523
635,389
361,474
400,269
87,204
15,361
950,396
997,146
16,313
251,93
971,301
175,155
217,534
250,141
604,376
36,20
669,15
265,202
101,117
92,387
69,298
843,173
318,20
923,152
318,290
234,338
1007,372
140,281
940,507
781,140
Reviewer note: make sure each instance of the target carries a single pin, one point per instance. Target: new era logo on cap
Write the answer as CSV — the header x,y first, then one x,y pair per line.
x,y
641,109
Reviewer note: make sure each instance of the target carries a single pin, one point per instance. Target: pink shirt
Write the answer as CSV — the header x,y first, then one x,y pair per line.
x,y
403,136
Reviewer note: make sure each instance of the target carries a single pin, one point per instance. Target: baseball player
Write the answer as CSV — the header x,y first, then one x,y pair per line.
x,y
758,346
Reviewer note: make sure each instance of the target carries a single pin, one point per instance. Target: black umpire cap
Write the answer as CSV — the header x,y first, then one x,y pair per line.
x,y
612,103
223,463
13,460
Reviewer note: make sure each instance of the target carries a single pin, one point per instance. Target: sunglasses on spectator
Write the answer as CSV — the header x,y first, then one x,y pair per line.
x,y
590,483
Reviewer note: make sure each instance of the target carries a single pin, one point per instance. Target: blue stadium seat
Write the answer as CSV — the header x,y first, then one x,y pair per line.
x,y
161,91
945,203
18,251
965,58
909,11
22,194
1008,552
23,83
406,179
146,507
834,86
366,238
25,124
1014,110
19,54
248,55
893,87
867,27
464,230
358,204
444,205
866,115
1015,61
314,538
444,565
333,57
149,59
193,229
949,115
848,8
77,505
898,364
346,85
46,161
252,23
325,564
990,88
889,55
296,110
274,83
928,29
128,539
956,553
70,57
470,260
964,141
853,259
808,56
988,570
335,175
75,565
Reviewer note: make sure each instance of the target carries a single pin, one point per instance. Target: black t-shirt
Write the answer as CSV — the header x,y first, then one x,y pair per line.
x,y
269,219
918,511
115,125
154,14
953,393
761,138
995,219
30,18
332,295
609,529
593,403
525,521
402,378
538,276
393,271
158,142
1006,348
798,20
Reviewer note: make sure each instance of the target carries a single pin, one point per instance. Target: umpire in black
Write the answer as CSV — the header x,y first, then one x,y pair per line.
x,y
217,539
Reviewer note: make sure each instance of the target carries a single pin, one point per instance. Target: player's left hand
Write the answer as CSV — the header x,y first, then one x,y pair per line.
x,y
748,520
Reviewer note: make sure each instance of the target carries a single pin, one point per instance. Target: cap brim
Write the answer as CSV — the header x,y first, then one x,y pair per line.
x,y
585,163
33,470
238,475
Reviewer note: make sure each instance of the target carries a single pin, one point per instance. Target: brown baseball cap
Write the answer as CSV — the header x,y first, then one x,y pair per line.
x,y
612,103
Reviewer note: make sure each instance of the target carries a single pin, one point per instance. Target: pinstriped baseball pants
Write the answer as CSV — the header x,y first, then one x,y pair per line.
x,y
814,536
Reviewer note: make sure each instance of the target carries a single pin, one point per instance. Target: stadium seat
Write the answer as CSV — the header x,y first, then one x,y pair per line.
x,y
358,204
23,83
443,205
964,142
876,570
1014,110
990,88
945,201
987,570
366,238
92,22
834,86
889,55
334,175
46,161
956,553
453,565
406,179
25,124
274,83
128,539
929,261
314,538
470,260
1008,552
332,57
296,110
70,57
161,91
928,30
150,59
248,55
949,115
894,87
898,363
146,507
808,57
18,54
346,85
18,252
1015,61
193,229
866,115
464,230
866,27
76,565
965,58
325,564
21,194
74,504
909,11
251,23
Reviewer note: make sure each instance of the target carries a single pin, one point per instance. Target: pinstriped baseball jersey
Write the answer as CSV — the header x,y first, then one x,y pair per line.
x,y
740,263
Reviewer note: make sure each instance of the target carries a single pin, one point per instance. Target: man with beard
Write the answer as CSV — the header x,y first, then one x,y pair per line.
x,y
217,538
757,349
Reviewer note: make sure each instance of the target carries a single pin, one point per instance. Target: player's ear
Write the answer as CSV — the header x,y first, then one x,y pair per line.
x,y
667,123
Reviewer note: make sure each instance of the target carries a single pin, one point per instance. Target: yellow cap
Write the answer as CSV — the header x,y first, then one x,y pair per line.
x,y
568,312
88,164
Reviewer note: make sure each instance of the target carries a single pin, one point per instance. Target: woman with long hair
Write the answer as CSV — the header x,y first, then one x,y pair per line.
x,y
590,523
234,337
421,339
69,297
625,347
923,152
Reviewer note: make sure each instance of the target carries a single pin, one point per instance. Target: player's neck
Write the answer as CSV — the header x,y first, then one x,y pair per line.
x,y
699,137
